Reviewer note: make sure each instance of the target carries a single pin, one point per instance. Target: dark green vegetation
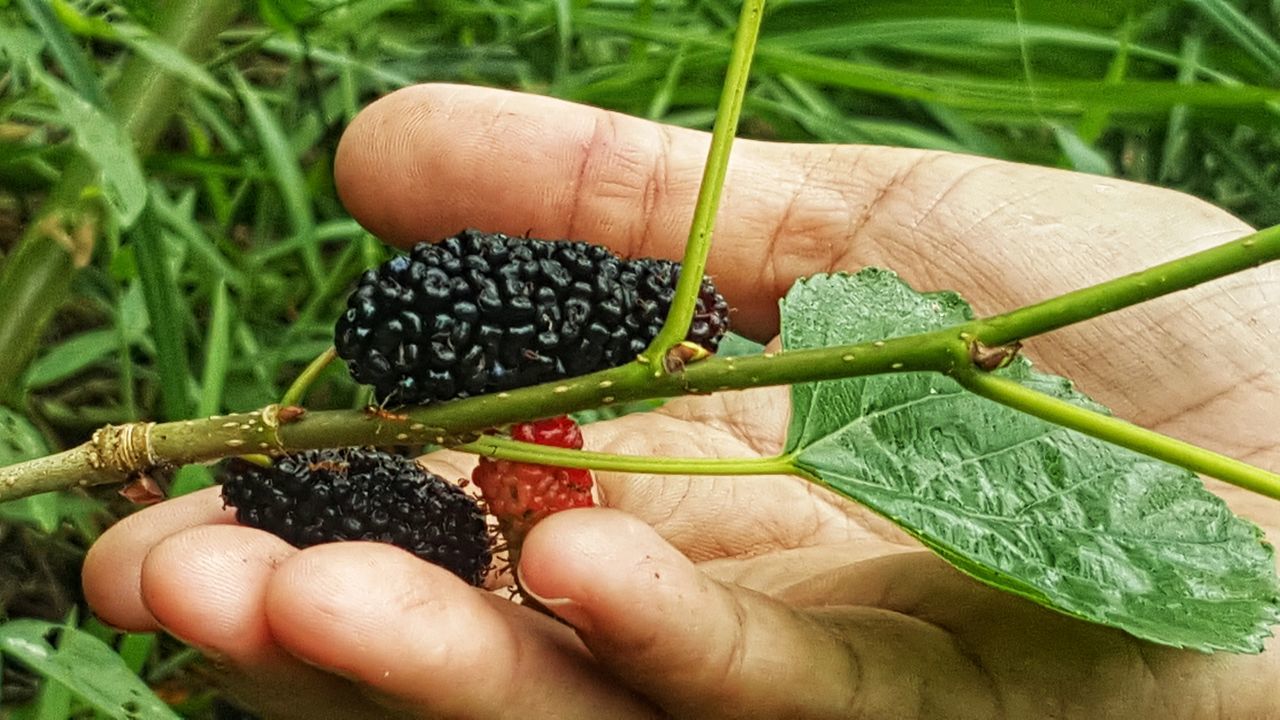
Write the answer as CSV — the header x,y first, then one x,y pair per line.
x,y
237,256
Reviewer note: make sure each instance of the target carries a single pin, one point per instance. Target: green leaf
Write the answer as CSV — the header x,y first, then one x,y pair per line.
x,y
189,479
1253,39
71,356
1082,156
85,665
164,308
107,145
71,57
734,345
1075,524
168,57
217,351
285,169
283,15
20,440
20,46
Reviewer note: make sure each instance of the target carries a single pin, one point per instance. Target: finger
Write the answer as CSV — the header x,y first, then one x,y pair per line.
x,y
706,650
206,586
428,160
421,638
113,567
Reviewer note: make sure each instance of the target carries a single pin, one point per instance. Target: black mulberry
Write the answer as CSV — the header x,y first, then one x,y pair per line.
x,y
322,496
479,313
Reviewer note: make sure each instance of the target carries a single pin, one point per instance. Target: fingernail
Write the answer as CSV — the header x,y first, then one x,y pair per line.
x,y
564,608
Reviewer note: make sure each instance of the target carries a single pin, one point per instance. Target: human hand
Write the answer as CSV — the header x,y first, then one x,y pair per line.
x,y
718,597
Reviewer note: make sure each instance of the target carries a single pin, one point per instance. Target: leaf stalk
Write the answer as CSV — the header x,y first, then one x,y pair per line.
x,y
1118,432
506,449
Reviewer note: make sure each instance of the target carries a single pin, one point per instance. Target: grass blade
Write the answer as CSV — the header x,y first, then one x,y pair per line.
x,y
168,329
74,63
217,350
106,145
1251,38
286,170
169,58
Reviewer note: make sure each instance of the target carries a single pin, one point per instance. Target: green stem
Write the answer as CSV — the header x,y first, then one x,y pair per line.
x,y
1185,272
118,451
296,391
694,266
507,449
1119,432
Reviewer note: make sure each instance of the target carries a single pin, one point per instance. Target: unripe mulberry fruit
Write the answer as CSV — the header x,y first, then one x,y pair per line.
x,y
479,313
322,496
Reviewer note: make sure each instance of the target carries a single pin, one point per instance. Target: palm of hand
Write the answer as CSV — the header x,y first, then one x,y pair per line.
x,y
893,607
719,597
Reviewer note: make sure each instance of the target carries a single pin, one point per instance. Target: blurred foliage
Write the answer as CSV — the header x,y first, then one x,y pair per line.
x,y
223,253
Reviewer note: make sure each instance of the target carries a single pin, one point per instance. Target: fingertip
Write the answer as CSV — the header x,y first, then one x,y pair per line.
x,y
112,571
598,558
206,586
113,589
429,160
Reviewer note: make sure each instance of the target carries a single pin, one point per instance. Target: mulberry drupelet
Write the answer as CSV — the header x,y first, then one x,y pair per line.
x,y
478,313
321,496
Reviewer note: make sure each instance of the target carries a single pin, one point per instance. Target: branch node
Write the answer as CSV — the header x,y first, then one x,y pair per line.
x,y
273,416
990,358
125,449
682,355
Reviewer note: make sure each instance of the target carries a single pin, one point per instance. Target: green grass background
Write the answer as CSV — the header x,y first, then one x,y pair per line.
x,y
219,255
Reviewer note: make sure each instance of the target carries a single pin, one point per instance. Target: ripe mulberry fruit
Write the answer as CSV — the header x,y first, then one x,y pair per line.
x,y
519,495
322,496
479,313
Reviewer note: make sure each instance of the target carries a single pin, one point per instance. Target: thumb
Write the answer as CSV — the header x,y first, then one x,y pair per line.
x,y
701,648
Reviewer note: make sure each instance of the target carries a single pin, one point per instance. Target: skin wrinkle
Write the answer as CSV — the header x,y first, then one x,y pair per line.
x,y
1198,404
1001,209
807,229
882,191
953,184
744,624
768,273
721,412
850,706
1266,457
709,489
518,664
580,176
653,197
1150,675
622,179
995,693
